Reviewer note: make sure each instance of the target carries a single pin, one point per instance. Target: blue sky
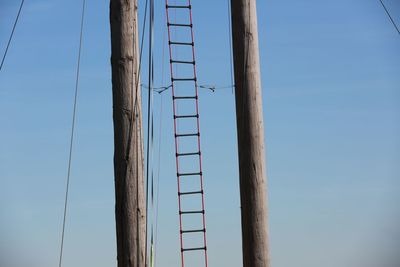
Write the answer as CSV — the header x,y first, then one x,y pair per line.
x,y
331,91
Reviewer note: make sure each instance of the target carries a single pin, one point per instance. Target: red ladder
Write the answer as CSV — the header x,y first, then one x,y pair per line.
x,y
187,133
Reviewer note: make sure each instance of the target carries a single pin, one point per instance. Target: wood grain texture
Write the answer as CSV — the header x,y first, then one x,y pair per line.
x,y
250,128
130,210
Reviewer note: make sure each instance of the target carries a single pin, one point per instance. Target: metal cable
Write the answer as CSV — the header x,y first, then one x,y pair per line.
x,y
390,17
12,34
212,88
72,132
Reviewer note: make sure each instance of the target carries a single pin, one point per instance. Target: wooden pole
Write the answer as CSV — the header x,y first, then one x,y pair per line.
x,y
130,208
250,128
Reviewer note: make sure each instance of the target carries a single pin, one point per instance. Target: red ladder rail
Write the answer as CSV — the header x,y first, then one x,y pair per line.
x,y
190,83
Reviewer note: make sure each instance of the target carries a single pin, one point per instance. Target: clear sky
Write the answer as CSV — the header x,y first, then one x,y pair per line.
x,y
331,91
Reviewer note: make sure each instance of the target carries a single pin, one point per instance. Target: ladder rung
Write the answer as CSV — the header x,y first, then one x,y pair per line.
x,y
193,231
191,249
171,6
181,43
190,193
187,154
182,62
182,79
184,97
185,116
179,25
189,173
189,134
192,212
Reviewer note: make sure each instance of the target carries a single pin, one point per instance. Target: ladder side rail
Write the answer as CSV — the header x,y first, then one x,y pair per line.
x,y
198,138
175,131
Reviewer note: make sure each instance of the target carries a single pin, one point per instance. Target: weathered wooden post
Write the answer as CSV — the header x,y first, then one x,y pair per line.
x,y
250,128
130,208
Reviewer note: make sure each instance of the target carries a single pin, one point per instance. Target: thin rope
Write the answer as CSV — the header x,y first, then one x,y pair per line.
x,y
12,34
390,17
158,181
72,131
150,134
159,148
230,45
